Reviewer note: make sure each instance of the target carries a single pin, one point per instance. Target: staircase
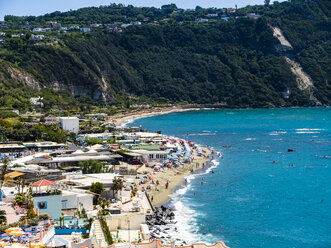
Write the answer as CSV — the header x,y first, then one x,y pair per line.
x,y
99,237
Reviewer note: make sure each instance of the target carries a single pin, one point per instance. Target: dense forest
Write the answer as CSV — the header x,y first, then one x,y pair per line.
x,y
172,56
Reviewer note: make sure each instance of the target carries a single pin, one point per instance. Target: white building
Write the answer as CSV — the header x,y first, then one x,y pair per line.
x,y
37,30
85,30
69,123
37,36
37,101
76,200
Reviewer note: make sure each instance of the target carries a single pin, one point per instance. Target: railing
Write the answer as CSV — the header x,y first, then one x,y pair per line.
x,y
49,235
56,192
92,235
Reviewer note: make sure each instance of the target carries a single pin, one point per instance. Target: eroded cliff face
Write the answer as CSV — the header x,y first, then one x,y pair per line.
x,y
99,91
304,81
11,74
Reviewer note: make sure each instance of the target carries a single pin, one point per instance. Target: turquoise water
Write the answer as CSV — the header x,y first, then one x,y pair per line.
x,y
250,201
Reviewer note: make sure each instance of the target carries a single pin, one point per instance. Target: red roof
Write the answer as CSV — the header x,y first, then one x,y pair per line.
x,y
43,182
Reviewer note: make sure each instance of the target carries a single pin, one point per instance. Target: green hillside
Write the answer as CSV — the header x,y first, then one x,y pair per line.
x,y
168,55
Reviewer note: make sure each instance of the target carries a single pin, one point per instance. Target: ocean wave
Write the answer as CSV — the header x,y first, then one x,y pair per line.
x,y
277,132
129,121
186,229
309,129
201,134
307,132
250,139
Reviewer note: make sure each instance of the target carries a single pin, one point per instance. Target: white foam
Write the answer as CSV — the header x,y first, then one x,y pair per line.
x,y
186,227
277,132
309,129
201,134
250,139
129,121
308,132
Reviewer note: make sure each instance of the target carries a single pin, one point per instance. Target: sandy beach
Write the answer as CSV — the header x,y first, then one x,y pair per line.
x,y
159,193
122,119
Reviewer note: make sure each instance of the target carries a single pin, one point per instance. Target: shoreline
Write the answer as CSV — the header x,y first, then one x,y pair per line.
x,y
175,177
123,119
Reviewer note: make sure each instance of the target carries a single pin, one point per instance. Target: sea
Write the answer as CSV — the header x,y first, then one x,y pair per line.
x,y
271,186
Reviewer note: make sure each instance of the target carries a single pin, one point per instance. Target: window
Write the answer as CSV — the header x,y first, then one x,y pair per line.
x,y
42,205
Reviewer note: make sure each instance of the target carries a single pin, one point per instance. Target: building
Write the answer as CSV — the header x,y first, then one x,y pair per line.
x,y
37,101
69,123
212,15
253,16
37,37
72,200
53,24
51,120
48,199
96,25
37,30
85,30
74,159
200,20
74,27
152,156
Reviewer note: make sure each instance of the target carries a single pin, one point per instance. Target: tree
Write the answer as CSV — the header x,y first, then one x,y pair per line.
x,y
61,218
97,188
20,183
5,163
3,218
117,184
93,166
266,2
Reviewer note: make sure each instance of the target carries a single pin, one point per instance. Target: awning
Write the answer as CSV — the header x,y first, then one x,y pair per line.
x,y
43,182
14,174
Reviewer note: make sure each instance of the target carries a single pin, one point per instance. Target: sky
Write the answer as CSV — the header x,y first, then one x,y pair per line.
x,y
41,7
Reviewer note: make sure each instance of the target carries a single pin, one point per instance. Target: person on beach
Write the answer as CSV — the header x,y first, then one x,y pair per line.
x,y
167,184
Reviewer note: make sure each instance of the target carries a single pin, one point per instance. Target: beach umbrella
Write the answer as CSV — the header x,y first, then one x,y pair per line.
x,y
12,229
16,245
36,245
2,243
17,233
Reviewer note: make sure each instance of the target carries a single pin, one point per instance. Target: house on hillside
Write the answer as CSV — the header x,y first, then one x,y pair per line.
x,y
212,15
85,30
51,120
37,37
37,30
54,24
37,101
73,27
253,16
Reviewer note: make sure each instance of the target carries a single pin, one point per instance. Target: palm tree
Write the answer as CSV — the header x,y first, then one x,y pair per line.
x,y
117,184
3,218
61,218
5,162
